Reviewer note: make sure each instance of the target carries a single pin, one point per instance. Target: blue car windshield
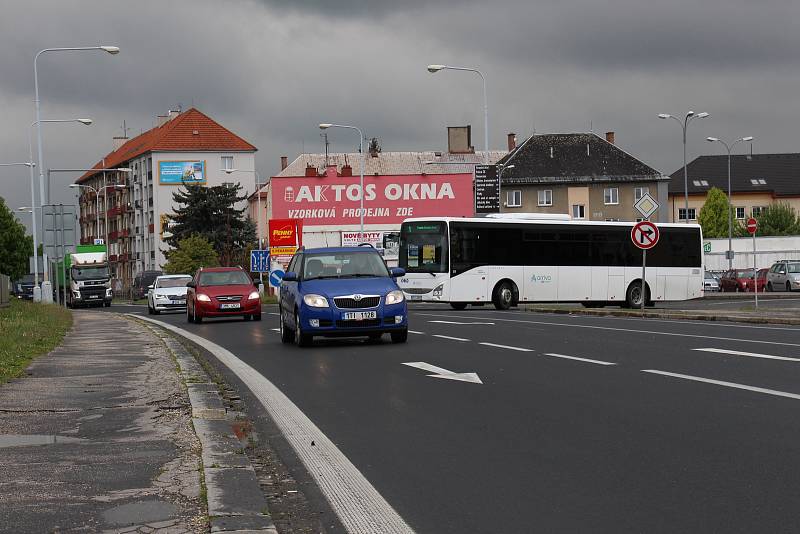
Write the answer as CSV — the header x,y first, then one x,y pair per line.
x,y
343,265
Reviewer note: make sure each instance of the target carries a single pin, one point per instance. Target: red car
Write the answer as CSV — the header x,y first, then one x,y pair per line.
x,y
741,280
222,292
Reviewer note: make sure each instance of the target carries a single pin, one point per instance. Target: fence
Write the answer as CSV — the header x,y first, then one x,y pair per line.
x,y
768,251
5,289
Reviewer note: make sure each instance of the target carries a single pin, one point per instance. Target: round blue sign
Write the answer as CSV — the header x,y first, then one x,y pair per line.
x,y
275,278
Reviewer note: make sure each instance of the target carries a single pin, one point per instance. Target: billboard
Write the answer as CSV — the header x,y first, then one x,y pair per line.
x,y
285,233
387,243
181,172
335,200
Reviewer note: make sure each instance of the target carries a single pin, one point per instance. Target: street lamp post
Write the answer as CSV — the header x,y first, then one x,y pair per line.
x,y
436,68
363,163
113,50
690,115
97,201
729,148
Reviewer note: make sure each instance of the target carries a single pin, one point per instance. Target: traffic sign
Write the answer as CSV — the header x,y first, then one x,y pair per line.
x,y
646,205
259,261
752,225
645,235
275,278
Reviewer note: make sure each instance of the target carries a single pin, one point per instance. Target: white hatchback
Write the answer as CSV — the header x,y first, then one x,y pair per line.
x,y
168,292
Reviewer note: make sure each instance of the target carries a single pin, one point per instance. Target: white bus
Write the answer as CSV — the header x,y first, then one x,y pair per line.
x,y
507,261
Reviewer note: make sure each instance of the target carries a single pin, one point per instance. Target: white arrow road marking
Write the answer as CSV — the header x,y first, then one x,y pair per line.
x,y
751,354
587,360
726,384
457,322
444,373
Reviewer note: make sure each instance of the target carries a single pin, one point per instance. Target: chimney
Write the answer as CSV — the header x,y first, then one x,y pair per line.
x,y
118,142
172,114
162,120
284,162
512,141
347,170
459,140
610,137
311,171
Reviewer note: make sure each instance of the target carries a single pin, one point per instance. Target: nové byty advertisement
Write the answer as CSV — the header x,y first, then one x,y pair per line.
x,y
387,199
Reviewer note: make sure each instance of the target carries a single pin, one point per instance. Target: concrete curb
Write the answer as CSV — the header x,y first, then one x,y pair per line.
x,y
755,319
235,500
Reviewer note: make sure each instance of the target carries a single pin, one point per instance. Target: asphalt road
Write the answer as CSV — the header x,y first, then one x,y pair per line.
x,y
574,428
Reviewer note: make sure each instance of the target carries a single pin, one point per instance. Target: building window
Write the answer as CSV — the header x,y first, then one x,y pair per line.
x,y
546,197
682,214
611,195
759,210
739,213
638,192
578,211
514,198
227,162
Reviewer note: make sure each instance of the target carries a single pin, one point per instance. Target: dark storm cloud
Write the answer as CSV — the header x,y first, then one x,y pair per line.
x,y
272,69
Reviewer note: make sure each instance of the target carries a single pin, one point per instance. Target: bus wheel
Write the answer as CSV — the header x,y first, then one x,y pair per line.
x,y
503,296
634,296
458,305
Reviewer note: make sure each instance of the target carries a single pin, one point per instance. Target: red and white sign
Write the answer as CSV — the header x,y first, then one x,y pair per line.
x,y
336,200
752,225
353,239
645,235
285,233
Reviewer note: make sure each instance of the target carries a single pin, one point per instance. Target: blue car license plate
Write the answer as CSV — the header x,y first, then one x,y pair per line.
x,y
359,316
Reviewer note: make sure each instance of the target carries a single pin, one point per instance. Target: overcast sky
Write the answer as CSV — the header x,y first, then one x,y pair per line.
x,y
271,70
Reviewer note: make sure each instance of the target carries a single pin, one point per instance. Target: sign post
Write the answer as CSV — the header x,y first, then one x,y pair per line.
x,y
487,189
645,236
752,226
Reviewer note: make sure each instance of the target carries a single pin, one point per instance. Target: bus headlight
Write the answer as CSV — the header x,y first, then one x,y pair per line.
x,y
394,297
316,301
437,292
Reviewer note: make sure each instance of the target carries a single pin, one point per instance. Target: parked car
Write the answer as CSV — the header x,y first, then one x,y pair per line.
x,y
762,279
710,283
784,275
142,281
342,291
222,292
23,288
167,292
740,280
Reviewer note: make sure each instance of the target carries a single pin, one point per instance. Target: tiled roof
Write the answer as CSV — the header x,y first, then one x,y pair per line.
x,y
778,174
392,163
190,131
573,157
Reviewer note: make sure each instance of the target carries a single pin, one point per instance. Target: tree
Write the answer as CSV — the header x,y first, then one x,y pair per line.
x,y
192,253
713,217
15,246
211,213
778,219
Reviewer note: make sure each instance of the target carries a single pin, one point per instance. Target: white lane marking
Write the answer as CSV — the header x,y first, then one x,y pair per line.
x,y
456,322
275,329
273,313
521,349
450,337
633,330
726,384
353,498
750,354
415,332
587,360
439,372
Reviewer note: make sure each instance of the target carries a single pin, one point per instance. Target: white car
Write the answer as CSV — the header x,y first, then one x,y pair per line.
x,y
168,292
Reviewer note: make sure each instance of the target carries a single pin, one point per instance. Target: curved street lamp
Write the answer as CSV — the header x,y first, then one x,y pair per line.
x,y
690,115
362,164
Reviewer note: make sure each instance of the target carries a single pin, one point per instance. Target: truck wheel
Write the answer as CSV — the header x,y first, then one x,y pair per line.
x,y
107,304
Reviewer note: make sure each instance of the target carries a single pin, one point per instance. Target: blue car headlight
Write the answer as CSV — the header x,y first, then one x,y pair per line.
x,y
315,301
394,297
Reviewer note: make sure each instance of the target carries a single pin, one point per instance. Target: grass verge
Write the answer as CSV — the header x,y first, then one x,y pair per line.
x,y
269,299
28,330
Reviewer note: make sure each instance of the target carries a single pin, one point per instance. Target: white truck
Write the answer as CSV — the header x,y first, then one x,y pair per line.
x,y
88,277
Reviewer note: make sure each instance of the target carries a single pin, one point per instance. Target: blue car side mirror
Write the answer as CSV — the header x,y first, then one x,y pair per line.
x,y
291,276
397,272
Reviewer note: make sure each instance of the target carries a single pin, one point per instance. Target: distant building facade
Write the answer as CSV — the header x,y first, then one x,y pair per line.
x,y
757,181
579,174
185,147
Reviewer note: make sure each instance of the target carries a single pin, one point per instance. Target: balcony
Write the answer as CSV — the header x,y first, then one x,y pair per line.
x,y
151,228
112,258
126,233
112,236
124,257
115,211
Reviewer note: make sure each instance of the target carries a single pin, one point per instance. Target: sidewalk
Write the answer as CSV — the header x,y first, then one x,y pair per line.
x,y
100,437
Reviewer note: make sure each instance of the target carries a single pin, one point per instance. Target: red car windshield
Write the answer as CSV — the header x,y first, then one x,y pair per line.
x,y
224,278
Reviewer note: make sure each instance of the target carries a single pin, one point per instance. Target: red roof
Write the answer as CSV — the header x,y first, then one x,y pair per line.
x,y
178,135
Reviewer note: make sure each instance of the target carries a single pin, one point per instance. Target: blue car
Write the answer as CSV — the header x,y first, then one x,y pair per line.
x,y
343,291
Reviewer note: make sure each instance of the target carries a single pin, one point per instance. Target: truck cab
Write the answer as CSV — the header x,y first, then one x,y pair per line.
x,y
89,278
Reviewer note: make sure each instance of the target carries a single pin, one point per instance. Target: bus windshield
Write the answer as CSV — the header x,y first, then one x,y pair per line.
x,y
423,247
